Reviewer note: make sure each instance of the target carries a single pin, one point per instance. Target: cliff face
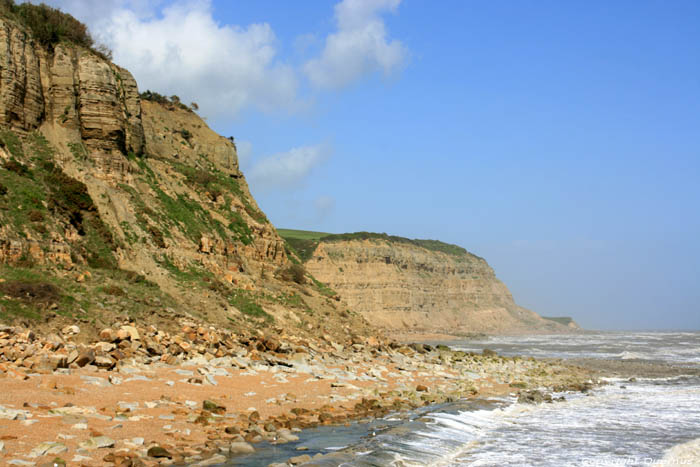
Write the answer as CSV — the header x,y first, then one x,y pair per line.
x,y
404,287
95,181
93,100
90,113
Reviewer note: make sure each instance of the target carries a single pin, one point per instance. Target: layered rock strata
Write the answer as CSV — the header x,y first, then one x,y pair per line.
x,y
405,287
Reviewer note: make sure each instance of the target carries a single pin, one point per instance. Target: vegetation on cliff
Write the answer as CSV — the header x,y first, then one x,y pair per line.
x,y
304,242
39,194
50,26
119,205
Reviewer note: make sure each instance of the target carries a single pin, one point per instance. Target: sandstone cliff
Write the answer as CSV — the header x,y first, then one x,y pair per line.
x,y
120,205
428,287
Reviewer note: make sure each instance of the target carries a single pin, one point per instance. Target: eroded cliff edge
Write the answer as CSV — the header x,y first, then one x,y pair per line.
x,y
420,286
118,205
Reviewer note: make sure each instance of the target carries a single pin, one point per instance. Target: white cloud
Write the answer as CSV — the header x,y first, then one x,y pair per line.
x,y
359,47
180,49
287,170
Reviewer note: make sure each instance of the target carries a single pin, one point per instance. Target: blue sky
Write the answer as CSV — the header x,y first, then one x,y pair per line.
x,y
559,140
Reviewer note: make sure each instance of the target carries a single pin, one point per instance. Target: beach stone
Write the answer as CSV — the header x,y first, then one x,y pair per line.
x,y
105,347
72,419
45,365
285,436
108,335
16,374
72,356
134,442
241,447
86,357
97,442
213,407
104,362
534,397
12,414
48,448
157,451
215,460
96,380
300,459
131,333
70,330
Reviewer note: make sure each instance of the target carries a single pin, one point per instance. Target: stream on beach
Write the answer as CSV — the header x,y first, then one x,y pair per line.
x,y
648,414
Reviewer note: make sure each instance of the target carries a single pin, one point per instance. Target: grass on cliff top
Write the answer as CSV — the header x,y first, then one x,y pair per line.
x,y
304,242
301,234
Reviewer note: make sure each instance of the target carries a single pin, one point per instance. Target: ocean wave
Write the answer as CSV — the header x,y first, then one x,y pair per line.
x,y
626,355
682,454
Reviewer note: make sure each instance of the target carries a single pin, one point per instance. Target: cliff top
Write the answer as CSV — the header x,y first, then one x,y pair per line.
x,y
50,26
304,242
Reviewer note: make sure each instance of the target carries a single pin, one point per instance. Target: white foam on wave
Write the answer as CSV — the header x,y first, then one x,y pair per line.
x,y
680,347
682,454
642,418
630,356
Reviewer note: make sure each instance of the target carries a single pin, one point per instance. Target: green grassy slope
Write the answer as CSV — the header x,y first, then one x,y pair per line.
x,y
304,242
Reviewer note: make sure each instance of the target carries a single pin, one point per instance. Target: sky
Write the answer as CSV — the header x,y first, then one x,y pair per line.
x,y
558,140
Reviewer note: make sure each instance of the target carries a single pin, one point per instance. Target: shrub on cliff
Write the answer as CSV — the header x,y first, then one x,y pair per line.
x,y
49,26
293,272
171,102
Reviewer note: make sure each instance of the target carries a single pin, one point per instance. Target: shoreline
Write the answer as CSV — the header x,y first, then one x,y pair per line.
x,y
448,338
211,401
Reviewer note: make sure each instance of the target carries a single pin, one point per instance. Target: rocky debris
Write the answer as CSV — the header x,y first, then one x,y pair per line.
x,y
297,460
534,397
97,442
86,357
157,451
364,381
19,462
240,447
48,448
214,460
71,330
213,407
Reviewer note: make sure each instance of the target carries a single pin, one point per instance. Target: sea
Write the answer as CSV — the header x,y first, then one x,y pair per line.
x,y
652,418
